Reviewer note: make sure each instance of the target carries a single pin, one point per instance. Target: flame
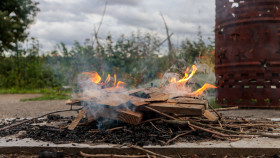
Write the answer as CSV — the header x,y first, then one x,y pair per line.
x,y
95,78
115,77
107,79
120,84
202,89
185,78
181,83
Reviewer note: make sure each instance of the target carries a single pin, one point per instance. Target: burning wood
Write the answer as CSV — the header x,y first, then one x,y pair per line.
x,y
129,108
113,101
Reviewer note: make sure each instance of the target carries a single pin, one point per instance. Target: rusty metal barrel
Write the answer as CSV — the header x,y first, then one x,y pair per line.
x,y
247,55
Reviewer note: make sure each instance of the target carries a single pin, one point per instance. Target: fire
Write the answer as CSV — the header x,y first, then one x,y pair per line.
x,y
180,84
184,80
202,89
95,78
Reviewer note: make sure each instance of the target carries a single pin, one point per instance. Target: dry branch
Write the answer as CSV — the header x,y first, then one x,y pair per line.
x,y
35,118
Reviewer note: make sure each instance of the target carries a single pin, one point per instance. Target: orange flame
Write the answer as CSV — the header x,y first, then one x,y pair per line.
x,y
120,84
185,78
202,89
107,79
95,78
115,77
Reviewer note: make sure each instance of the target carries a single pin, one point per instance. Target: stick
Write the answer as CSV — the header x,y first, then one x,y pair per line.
x,y
220,117
151,120
116,128
147,151
26,121
75,122
218,133
179,135
156,127
112,155
161,113
230,108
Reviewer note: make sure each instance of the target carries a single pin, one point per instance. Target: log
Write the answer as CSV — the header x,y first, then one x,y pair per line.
x,y
187,109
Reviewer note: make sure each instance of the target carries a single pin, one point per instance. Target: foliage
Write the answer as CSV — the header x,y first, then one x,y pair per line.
x,y
135,59
15,17
26,70
192,51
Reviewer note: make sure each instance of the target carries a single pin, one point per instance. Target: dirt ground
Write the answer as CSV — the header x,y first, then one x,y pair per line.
x,y
11,107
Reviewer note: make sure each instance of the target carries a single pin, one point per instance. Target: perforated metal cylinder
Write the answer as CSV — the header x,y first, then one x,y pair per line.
x,y
247,57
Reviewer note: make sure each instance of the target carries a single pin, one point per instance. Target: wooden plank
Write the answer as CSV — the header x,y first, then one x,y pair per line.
x,y
130,117
75,122
113,99
138,101
136,90
187,109
189,101
126,116
115,89
210,116
159,97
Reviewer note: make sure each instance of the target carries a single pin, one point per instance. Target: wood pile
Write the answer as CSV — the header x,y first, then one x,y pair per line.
x,y
135,105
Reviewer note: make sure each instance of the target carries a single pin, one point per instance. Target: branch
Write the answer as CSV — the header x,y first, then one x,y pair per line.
x,y
35,118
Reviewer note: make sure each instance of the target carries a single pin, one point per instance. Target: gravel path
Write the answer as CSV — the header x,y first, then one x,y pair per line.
x,y
11,106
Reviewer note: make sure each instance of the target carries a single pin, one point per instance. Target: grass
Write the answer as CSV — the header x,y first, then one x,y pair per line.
x,y
49,97
25,91
48,93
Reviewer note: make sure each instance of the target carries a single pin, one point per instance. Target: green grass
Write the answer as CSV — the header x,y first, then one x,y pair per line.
x,y
24,91
49,97
48,93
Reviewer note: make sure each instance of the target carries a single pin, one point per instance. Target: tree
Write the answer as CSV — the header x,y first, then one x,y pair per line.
x,y
15,17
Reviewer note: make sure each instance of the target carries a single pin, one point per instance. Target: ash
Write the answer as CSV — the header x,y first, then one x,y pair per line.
x,y
54,129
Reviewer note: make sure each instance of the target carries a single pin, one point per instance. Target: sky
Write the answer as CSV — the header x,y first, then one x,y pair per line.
x,y
69,20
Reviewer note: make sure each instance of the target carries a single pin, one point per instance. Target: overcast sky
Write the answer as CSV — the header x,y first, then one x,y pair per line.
x,y
70,20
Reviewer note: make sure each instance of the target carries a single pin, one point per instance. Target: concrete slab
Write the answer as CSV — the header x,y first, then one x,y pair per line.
x,y
245,147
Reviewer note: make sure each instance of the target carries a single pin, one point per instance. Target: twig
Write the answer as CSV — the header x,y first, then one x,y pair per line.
x,y
156,127
230,108
179,135
171,54
218,133
220,117
151,120
101,21
166,115
147,151
116,128
35,118
112,155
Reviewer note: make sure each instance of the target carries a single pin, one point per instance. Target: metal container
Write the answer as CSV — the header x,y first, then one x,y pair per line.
x,y
247,57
